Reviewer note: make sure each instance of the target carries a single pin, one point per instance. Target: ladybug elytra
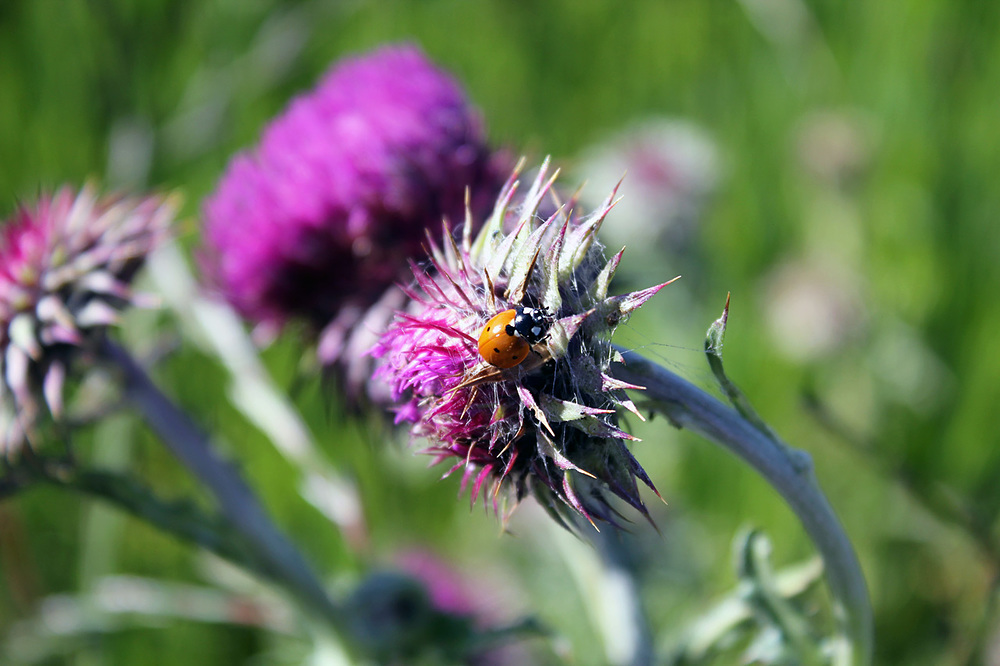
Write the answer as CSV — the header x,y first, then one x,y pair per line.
x,y
507,338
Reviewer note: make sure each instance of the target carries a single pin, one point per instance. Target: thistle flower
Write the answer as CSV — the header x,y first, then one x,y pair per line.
x,y
548,424
318,222
65,269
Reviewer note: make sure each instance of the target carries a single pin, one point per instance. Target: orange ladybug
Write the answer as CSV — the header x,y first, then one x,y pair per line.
x,y
507,338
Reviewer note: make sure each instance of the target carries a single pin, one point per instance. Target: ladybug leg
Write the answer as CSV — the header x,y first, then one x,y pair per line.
x,y
472,396
536,359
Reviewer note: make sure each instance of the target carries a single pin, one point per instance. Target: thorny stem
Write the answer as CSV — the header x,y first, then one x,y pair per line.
x,y
788,470
236,500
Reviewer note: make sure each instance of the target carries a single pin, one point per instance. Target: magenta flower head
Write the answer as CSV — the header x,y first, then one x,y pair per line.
x,y
320,219
66,264
503,359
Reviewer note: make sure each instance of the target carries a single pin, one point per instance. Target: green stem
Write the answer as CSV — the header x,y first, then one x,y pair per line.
x,y
181,519
788,470
236,500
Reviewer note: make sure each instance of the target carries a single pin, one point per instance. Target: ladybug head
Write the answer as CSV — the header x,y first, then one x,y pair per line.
x,y
532,324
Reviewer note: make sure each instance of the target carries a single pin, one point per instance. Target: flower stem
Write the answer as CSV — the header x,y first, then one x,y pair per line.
x,y
179,519
236,500
788,470
619,579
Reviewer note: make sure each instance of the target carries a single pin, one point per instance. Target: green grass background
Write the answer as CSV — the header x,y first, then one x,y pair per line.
x,y
914,386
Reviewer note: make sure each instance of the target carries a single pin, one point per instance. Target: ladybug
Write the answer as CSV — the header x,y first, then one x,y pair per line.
x,y
507,338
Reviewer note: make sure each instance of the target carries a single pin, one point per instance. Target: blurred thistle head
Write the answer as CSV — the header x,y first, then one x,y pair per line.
x,y
503,359
66,264
673,167
318,222
425,607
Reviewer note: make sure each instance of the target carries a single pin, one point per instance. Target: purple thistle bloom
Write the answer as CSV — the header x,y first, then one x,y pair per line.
x,y
65,269
318,222
547,425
